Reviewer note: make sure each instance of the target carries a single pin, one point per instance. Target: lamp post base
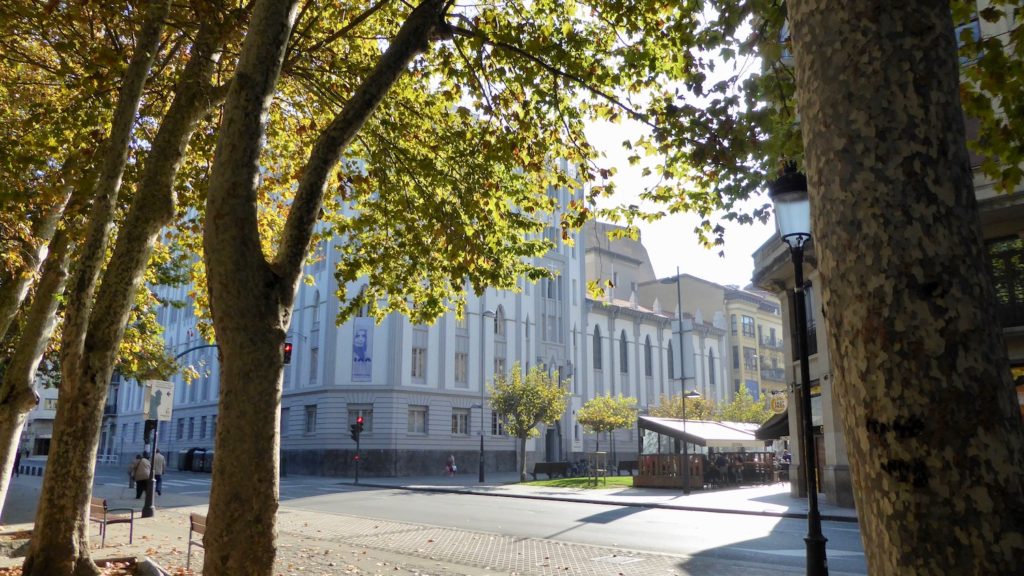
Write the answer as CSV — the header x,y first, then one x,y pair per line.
x,y
817,563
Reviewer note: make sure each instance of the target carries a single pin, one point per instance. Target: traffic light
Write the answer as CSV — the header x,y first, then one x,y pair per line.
x,y
357,428
287,352
147,431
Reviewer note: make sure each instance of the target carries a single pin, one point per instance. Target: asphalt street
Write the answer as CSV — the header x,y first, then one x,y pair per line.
x,y
719,536
503,524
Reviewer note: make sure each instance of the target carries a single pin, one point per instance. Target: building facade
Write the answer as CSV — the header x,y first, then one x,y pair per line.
x,y
755,330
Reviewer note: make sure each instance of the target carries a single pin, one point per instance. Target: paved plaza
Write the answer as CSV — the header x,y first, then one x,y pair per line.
x,y
316,543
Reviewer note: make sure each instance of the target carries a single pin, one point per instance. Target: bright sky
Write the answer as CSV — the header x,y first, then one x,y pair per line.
x,y
671,242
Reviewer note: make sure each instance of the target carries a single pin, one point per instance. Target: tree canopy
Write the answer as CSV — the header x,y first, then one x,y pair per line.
x,y
525,401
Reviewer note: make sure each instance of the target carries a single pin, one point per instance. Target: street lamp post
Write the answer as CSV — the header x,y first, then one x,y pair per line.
x,y
793,218
682,382
483,371
686,454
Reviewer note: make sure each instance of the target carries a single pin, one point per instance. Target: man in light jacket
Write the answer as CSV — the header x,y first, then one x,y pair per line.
x,y
158,470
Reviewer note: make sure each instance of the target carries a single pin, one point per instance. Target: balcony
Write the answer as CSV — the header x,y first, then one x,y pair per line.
x,y
775,374
772,344
110,410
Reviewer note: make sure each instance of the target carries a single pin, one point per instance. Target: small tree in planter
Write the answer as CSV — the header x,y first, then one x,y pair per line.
x,y
606,414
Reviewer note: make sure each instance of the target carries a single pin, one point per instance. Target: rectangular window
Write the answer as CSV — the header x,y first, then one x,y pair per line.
x,y
736,357
499,365
419,355
497,426
50,404
748,326
462,359
135,432
461,367
285,415
460,421
749,358
213,426
732,321
181,428
314,362
191,428
364,410
310,427
202,427
1006,266
417,420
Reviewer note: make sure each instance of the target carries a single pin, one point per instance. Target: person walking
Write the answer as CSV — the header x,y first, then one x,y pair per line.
x,y
140,472
450,465
17,463
159,463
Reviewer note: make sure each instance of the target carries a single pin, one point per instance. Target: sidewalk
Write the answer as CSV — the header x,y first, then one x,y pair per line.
x,y
312,543
767,500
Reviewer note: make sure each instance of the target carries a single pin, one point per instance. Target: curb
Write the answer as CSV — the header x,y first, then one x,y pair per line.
x,y
653,505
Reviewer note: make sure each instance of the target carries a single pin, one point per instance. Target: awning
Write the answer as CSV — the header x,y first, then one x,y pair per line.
x,y
699,432
776,427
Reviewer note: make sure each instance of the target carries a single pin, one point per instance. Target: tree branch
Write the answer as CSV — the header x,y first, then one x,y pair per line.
x,y
633,113
423,25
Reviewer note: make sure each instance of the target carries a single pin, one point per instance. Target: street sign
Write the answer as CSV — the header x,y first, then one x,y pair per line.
x,y
159,400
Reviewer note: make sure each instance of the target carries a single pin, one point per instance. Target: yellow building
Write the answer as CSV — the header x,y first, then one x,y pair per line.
x,y
755,337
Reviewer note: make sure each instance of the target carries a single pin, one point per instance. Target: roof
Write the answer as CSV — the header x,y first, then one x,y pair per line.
x,y
698,432
776,427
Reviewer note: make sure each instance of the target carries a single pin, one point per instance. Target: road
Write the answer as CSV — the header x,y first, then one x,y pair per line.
x,y
718,536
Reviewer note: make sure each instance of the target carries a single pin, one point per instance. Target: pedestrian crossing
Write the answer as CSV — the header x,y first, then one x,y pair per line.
x,y
190,484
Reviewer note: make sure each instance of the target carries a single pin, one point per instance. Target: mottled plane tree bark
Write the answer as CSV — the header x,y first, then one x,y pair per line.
x,y
933,429
17,394
93,330
251,297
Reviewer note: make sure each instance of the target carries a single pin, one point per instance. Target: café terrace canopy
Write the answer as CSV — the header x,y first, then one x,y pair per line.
x,y
699,432
776,427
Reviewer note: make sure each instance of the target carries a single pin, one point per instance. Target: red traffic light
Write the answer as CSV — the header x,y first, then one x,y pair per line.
x,y
287,352
359,419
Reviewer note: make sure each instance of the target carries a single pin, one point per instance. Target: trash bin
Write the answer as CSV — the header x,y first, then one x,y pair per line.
x,y
208,461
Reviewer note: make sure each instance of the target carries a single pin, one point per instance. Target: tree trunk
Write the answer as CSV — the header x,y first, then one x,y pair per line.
x,y
17,396
15,286
90,348
249,315
933,429
251,299
521,454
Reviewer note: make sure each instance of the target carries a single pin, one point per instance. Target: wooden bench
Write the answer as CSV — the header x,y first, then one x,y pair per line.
x,y
552,469
104,516
627,466
196,526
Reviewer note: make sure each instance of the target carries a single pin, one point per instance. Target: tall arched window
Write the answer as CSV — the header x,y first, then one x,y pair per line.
x,y
711,367
648,370
623,353
671,361
597,347
499,322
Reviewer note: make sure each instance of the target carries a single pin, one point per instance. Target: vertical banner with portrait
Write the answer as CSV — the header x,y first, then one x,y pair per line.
x,y
362,349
